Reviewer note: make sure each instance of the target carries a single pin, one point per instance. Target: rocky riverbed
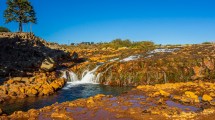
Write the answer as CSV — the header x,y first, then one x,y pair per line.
x,y
39,85
29,67
191,100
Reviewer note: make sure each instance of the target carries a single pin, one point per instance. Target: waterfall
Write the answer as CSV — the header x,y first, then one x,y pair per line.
x,y
73,76
87,77
84,73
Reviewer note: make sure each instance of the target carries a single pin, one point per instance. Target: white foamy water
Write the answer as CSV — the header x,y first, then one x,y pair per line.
x,y
88,77
130,58
112,60
163,50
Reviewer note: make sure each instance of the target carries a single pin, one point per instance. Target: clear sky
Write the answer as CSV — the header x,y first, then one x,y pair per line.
x,y
161,21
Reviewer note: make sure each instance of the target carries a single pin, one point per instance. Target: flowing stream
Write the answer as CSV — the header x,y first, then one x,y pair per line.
x,y
77,88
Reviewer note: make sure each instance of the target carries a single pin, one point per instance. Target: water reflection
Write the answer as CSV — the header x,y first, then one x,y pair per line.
x,y
71,93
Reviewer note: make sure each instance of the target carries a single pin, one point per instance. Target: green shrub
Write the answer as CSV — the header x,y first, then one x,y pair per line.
x,y
117,43
4,29
206,43
143,45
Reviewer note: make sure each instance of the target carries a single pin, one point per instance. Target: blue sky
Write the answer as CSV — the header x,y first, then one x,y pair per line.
x,y
161,21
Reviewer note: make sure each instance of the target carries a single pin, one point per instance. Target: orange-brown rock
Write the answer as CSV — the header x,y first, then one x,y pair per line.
x,y
47,91
59,115
33,113
207,98
209,63
198,72
32,92
55,85
135,104
163,93
41,84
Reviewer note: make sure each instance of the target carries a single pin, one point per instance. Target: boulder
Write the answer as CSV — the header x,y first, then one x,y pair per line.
x,y
33,113
191,95
14,88
32,92
55,85
48,65
165,94
207,98
74,56
47,90
62,115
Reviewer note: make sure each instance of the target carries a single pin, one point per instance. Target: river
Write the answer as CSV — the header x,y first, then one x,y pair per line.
x,y
71,91
66,94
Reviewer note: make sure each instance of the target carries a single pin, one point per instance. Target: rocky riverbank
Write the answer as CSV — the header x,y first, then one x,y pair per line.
x,y
192,100
39,85
21,54
27,64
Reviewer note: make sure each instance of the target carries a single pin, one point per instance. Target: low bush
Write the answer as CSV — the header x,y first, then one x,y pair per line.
x,y
4,29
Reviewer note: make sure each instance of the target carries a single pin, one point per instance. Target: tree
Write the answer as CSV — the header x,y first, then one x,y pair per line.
x,y
19,11
4,29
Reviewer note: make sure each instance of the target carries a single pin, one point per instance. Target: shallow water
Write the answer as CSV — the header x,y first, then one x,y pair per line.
x,y
68,93
182,107
1,81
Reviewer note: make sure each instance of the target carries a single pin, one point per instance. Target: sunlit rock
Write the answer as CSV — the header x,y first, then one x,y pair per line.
x,y
206,98
209,63
60,115
90,101
55,85
48,64
165,94
198,72
99,96
191,95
